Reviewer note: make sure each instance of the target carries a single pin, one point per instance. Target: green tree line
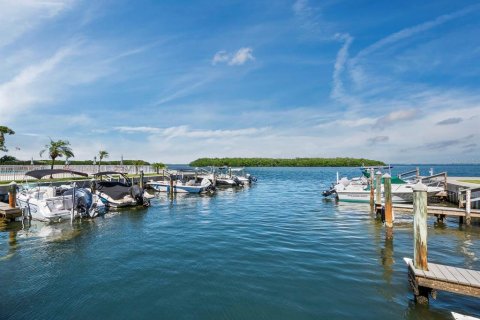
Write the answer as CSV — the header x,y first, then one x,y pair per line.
x,y
296,162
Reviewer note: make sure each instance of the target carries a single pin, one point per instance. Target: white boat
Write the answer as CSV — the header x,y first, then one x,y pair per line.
x,y
116,193
401,193
51,203
179,186
242,176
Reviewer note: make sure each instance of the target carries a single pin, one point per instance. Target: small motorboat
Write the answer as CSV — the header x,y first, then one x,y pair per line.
x,y
242,176
52,203
117,191
182,181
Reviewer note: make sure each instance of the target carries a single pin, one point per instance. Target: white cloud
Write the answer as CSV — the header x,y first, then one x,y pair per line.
x,y
185,132
220,56
20,16
396,116
411,31
241,56
22,91
233,59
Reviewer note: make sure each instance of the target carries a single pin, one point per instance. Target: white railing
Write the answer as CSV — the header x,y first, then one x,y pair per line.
x,y
17,172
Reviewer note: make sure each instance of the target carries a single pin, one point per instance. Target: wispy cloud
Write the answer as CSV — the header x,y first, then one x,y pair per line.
x,y
240,57
443,144
184,131
449,121
311,19
22,91
378,139
338,91
220,56
396,116
411,31
20,16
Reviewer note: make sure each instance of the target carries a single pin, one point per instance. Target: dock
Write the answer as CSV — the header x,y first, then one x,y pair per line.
x,y
9,213
438,210
445,278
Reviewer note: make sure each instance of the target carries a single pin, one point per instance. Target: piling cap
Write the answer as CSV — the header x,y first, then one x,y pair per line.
x,y
419,186
386,175
378,173
13,183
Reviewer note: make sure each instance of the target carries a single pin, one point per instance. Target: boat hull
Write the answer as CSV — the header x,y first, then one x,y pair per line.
x,y
160,187
363,196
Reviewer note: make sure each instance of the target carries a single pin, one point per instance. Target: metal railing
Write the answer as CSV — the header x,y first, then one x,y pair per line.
x,y
17,172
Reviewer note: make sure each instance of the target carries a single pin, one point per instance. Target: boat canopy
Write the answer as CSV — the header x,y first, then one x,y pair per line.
x,y
39,174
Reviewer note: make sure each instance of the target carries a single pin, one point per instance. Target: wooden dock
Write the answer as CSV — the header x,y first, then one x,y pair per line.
x,y
445,278
9,213
437,210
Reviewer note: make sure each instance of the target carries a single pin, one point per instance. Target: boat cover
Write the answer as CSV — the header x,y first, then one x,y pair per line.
x,y
47,172
115,190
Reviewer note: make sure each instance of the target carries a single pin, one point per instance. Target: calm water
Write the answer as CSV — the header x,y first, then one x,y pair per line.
x,y
276,250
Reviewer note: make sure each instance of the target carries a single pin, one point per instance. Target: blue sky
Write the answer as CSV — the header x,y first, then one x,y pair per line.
x,y
172,81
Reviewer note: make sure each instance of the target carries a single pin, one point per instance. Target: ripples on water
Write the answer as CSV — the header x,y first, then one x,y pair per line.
x,y
276,250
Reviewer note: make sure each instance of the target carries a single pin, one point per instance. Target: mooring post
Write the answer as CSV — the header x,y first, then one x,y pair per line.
x,y
93,185
420,226
141,179
372,192
378,189
468,206
12,194
171,186
73,202
387,182
417,173
420,238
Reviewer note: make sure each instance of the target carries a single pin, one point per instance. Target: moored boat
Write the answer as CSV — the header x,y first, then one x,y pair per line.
x,y
119,194
52,203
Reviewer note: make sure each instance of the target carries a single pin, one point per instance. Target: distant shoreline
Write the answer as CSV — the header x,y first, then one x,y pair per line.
x,y
281,162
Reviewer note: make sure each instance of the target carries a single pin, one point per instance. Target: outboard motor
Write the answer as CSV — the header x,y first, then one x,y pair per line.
x,y
137,193
83,201
237,181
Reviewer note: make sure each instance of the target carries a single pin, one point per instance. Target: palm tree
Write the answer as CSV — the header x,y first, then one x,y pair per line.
x,y
102,154
3,131
57,149
157,166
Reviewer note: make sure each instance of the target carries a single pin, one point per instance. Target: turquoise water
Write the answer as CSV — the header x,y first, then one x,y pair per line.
x,y
276,250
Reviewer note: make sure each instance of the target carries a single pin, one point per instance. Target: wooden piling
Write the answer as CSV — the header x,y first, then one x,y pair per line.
x,y
171,186
140,183
468,206
417,173
378,189
387,181
372,192
12,194
420,226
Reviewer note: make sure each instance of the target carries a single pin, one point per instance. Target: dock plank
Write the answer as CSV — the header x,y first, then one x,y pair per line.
x,y
468,276
460,278
475,275
438,275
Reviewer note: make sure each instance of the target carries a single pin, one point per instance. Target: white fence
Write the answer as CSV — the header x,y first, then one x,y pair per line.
x,y
17,173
